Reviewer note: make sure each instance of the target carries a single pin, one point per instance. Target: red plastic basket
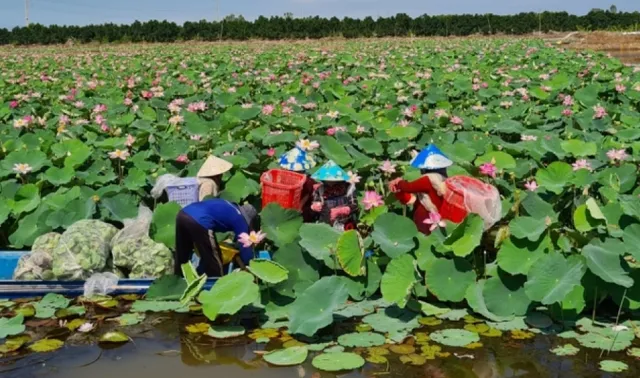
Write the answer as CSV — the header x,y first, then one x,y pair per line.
x,y
283,187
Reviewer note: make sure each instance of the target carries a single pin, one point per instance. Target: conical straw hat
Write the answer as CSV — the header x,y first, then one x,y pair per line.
x,y
214,166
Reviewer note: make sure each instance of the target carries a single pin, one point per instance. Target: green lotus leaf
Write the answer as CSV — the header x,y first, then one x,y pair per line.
x,y
538,320
280,225
528,228
303,270
166,288
287,357
631,239
156,306
11,326
114,337
394,234
402,133
516,256
565,350
163,224
502,160
26,199
453,315
230,294
338,361
505,296
225,332
70,311
374,278
136,179
46,345
35,159
538,208
313,309
475,299
361,339
130,319
612,366
355,309
454,337
579,148
193,289
47,306
398,280
466,237
392,320
370,146
59,176
555,177
509,126
630,206
584,221
553,277
239,187
448,279
333,150
350,253
604,260
623,178
511,325
121,206
320,240
268,271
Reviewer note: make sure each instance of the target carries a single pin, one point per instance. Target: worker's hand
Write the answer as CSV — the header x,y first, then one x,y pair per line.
x,y
393,185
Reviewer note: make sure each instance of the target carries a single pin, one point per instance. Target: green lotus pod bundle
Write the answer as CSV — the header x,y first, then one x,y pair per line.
x,y
37,264
83,249
46,243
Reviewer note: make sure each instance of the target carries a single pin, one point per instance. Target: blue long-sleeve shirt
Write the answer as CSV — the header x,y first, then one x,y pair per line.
x,y
221,215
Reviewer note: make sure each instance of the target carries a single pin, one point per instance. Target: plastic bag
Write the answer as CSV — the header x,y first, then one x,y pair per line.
x,y
477,197
161,184
152,260
46,243
34,266
127,242
83,249
100,284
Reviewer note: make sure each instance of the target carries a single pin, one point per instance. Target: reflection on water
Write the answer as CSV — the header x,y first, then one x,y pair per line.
x,y
165,351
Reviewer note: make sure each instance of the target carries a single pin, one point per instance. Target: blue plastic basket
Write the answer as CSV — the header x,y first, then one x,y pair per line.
x,y
185,192
8,263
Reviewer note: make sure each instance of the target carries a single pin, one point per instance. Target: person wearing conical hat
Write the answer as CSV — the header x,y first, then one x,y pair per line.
x,y
334,197
210,176
426,193
300,161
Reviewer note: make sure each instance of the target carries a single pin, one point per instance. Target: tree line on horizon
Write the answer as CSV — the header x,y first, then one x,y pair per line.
x,y
287,27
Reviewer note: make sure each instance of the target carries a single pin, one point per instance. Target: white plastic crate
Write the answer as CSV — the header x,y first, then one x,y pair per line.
x,y
185,192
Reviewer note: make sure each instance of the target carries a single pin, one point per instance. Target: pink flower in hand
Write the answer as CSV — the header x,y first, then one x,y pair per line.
x,y
372,199
531,186
252,238
435,221
488,169
316,206
338,212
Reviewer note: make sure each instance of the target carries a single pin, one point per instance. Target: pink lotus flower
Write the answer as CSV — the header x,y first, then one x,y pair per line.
x,y
528,138
372,199
582,164
387,167
78,104
331,131
567,101
488,169
130,140
271,152
286,110
182,159
435,221
617,155
100,108
252,238
360,129
196,137
147,95
196,106
13,104
307,145
531,186
600,112
456,120
506,104
353,178
316,206
104,127
567,112
119,154
620,88
268,109
176,119
128,101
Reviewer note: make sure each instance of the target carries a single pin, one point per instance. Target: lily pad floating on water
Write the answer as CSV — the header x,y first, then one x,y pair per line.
x,y
70,311
453,315
517,323
268,271
287,357
483,330
612,366
130,319
338,361
538,320
47,306
11,326
46,345
319,347
634,352
392,319
334,349
13,344
355,309
454,337
269,333
376,359
226,332
413,359
197,328
565,350
430,321
114,337
518,334
361,339
402,349
155,306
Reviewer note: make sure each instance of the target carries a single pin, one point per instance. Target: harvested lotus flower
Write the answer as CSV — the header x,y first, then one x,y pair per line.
x,y
435,220
252,238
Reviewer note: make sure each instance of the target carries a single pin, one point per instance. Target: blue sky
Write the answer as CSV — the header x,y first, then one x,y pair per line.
x,y
82,12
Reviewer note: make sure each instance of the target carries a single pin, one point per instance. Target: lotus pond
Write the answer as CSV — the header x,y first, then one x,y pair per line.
x,y
552,289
